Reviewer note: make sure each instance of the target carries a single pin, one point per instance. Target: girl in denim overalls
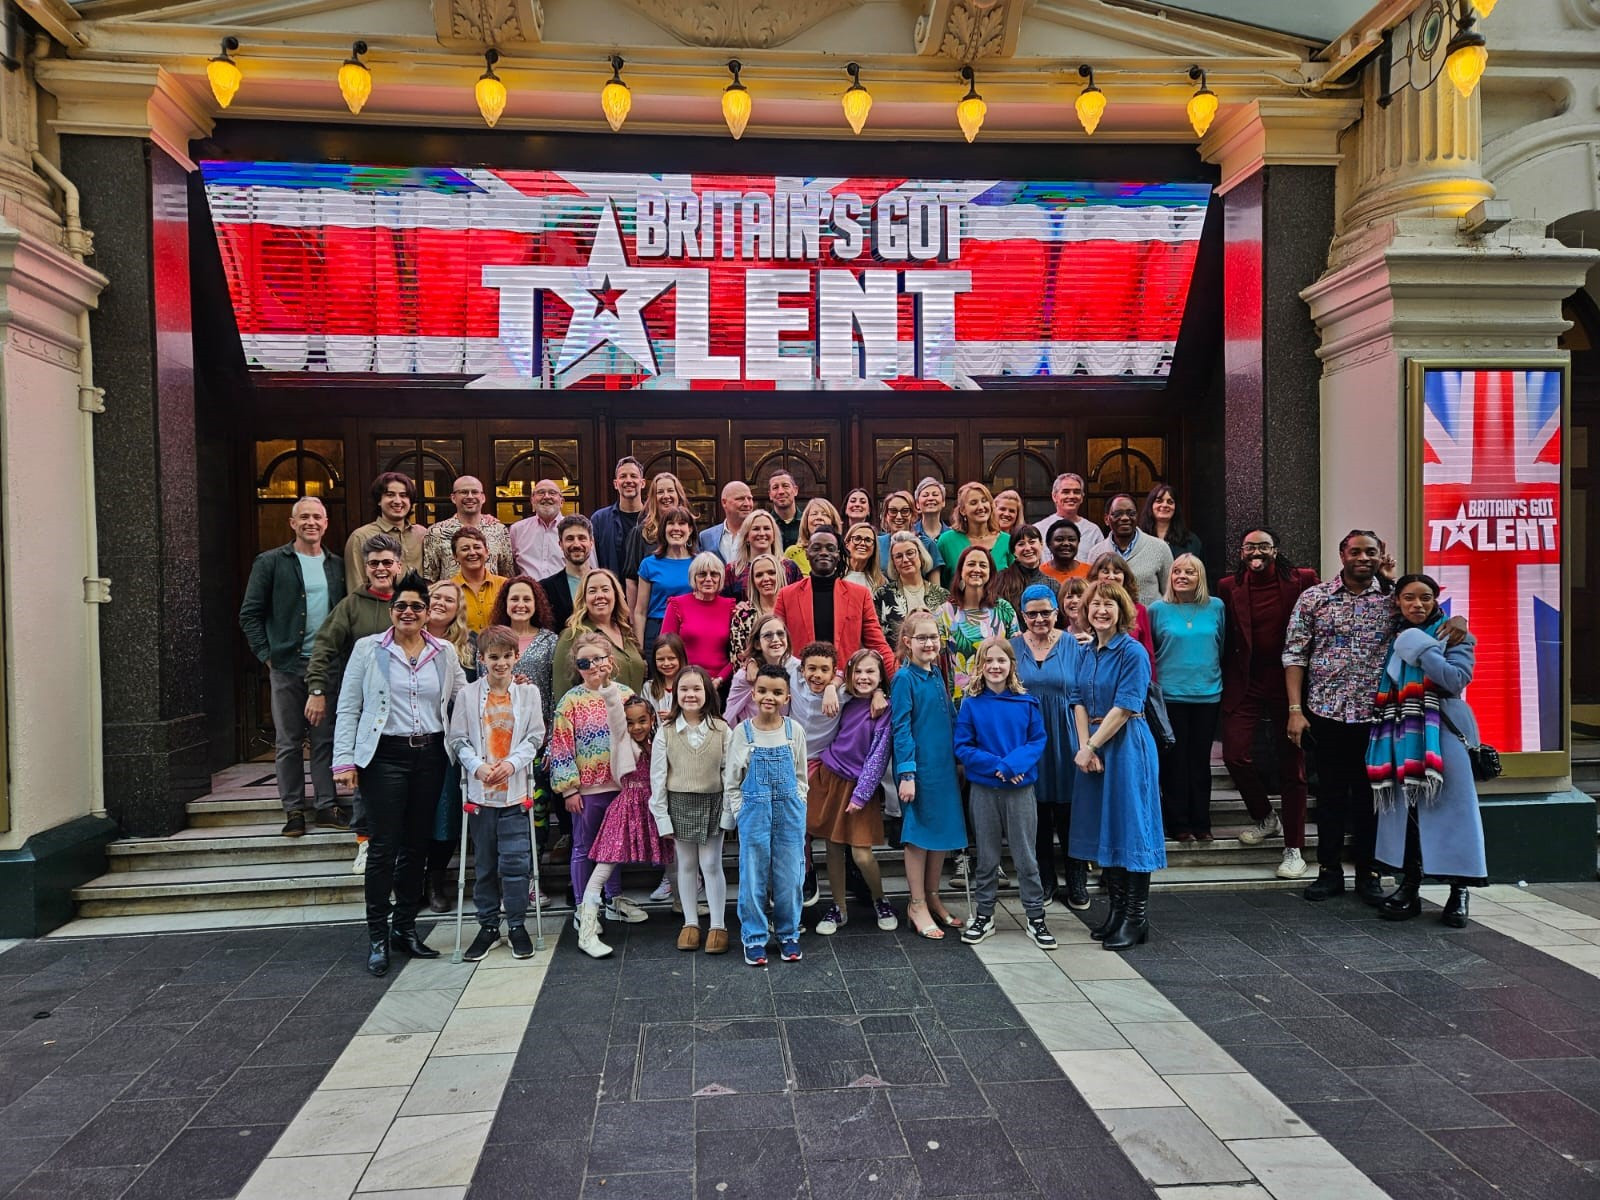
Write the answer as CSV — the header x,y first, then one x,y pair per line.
x,y
764,797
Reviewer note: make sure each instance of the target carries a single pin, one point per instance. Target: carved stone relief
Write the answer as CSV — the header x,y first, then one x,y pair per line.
x,y
966,30
738,24
483,23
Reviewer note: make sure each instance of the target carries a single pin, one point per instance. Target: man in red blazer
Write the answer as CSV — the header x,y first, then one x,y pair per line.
x,y
1257,600
826,608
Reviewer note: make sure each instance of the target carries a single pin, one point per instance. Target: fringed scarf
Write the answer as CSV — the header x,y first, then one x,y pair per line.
x,y
1403,749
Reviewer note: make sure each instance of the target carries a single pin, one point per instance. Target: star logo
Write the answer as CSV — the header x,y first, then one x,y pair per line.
x,y
1460,531
607,297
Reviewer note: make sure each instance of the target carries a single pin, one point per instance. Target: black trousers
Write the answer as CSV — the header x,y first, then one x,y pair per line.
x,y
1055,825
401,785
1186,768
1344,797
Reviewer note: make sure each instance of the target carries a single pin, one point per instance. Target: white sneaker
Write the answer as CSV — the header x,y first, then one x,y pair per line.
x,y
625,910
663,891
1292,866
359,867
1268,826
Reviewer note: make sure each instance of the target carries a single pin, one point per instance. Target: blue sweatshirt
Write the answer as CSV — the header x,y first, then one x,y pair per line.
x,y
1000,732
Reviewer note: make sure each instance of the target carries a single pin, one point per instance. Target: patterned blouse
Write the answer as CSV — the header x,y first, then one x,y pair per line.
x,y
893,607
580,742
962,635
739,627
535,665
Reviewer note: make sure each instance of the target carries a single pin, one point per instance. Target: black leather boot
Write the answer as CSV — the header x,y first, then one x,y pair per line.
x,y
1077,884
407,942
1116,881
378,955
1403,903
1455,908
1134,928
1369,888
1329,882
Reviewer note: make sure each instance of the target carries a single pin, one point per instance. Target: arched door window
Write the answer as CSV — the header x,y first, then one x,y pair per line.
x,y
289,468
519,463
1122,464
1026,465
805,458
900,462
433,464
693,461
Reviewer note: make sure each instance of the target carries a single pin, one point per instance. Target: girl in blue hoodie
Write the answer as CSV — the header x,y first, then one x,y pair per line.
x,y
999,740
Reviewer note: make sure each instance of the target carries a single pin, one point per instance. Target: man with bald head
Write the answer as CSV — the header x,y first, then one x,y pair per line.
x,y
723,538
468,496
536,540
291,591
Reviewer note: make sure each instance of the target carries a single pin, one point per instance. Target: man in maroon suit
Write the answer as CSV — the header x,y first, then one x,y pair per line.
x,y
1258,599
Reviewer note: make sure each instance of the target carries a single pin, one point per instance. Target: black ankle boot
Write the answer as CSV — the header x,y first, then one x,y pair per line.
x,y
1077,884
1369,887
440,898
1455,908
1134,929
407,942
1116,881
378,955
1403,903
1329,882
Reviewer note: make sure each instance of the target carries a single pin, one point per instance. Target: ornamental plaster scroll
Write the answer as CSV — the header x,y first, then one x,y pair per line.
x,y
482,23
1583,14
967,30
738,24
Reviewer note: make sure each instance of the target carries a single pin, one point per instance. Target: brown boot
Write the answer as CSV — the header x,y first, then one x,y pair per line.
x,y
689,939
440,899
716,941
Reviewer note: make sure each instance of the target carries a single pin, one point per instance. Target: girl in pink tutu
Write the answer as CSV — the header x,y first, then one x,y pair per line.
x,y
628,832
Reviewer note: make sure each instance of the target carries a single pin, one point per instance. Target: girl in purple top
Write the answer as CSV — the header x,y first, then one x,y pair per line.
x,y
845,804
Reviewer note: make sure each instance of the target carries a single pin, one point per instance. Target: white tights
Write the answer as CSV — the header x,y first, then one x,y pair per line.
x,y
599,874
706,857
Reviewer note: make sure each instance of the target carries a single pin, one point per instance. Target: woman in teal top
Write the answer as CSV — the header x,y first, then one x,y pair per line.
x,y
975,526
1187,626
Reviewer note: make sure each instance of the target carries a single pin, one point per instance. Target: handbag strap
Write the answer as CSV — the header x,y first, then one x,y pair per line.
x,y
1451,726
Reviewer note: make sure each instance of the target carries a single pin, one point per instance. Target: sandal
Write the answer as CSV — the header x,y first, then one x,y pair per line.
x,y
931,930
944,918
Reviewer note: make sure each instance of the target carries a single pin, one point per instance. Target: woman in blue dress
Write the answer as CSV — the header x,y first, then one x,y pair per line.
x,y
1417,761
923,718
1116,800
1047,664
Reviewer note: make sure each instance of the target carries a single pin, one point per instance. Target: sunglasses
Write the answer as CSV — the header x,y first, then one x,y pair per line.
x,y
1039,616
589,664
408,606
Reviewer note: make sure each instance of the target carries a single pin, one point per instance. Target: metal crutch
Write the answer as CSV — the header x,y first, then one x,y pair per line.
x,y
964,866
461,878
538,892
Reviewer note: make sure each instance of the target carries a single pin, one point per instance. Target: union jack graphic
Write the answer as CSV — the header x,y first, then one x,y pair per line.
x,y
368,269
1492,517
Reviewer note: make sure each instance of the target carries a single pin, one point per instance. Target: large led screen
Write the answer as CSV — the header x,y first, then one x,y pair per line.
x,y
1491,537
553,279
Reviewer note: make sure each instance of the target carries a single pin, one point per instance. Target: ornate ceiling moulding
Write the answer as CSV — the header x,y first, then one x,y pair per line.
x,y
965,30
739,24
481,23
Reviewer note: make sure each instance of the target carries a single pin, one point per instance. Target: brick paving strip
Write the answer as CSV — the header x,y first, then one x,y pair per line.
x,y
164,1068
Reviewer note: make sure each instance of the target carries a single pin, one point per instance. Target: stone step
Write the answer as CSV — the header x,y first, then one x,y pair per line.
x,y
229,845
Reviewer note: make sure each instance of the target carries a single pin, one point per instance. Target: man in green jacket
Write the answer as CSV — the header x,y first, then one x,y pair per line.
x,y
291,593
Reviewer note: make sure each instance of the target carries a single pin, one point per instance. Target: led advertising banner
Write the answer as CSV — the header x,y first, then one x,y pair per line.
x,y
1491,535
548,279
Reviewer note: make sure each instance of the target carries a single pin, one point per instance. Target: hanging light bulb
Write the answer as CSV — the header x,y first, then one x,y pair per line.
x,y
616,100
224,74
355,79
971,111
1466,56
490,92
857,100
1483,7
1202,105
736,102
1091,102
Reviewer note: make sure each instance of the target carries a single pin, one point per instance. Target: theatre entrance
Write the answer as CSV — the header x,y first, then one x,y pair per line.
x,y
297,443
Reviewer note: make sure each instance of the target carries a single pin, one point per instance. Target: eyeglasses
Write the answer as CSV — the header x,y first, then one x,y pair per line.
x,y
408,606
923,637
1259,546
774,635
589,664
897,510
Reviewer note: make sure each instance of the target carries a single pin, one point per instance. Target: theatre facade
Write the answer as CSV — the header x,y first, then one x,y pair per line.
x,y
1311,310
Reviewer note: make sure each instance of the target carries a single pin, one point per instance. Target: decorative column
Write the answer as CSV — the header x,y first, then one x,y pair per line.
x,y
1406,280
125,130
1277,157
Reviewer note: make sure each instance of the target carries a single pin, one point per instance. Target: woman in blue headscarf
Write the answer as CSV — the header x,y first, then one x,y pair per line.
x,y
1417,760
1047,665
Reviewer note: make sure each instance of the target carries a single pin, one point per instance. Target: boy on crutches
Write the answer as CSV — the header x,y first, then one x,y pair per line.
x,y
496,729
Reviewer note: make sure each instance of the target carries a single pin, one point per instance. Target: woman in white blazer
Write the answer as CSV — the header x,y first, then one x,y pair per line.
x,y
393,708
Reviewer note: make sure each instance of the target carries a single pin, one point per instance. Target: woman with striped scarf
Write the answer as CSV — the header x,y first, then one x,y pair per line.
x,y
1417,760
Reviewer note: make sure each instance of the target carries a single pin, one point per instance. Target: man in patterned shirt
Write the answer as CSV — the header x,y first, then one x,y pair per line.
x,y
1333,654
468,496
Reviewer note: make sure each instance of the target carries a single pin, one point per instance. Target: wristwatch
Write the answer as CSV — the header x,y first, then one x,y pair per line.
x,y
316,691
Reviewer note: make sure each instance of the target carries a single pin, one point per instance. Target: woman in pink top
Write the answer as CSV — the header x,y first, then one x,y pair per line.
x,y
702,617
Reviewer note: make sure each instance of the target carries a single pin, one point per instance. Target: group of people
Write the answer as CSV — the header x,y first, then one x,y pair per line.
x,y
798,672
